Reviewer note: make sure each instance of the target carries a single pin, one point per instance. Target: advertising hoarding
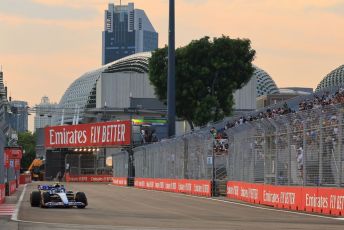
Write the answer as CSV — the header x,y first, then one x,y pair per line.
x,y
113,133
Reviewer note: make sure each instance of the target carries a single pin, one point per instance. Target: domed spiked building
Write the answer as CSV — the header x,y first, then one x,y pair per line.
x,y
116,83
332,80
265,83
261,84
125,82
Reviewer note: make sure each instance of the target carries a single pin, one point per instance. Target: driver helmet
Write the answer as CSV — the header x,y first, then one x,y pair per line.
x,y
57,185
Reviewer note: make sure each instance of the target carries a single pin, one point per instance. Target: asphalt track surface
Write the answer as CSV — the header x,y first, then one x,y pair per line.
x,y
112,207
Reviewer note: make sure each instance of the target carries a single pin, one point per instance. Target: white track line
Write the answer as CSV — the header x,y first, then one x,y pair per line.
x,y
244,204
276,210
16,211
81,226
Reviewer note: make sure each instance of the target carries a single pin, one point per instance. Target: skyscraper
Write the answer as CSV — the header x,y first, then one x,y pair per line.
x,y
44,113
3,89
126,31
19,116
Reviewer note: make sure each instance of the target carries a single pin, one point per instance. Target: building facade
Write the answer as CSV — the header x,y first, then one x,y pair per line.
x,y
126,31
18,117
3,126
44,113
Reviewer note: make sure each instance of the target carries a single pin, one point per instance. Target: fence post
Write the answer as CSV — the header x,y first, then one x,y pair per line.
x,y
254,155
340,138
95,163
213,176
304,154
321,152
276,155
242,165
289,154
185,165
265,155
144,163
65,164
79,164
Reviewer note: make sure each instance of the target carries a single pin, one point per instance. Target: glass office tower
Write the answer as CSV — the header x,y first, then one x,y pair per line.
x,y
126,31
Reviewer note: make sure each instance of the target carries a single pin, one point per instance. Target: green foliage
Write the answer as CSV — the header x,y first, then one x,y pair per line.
x,y
27,141
208,72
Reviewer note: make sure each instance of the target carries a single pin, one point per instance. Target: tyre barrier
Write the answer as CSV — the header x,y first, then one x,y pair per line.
x,y
328,201
186,186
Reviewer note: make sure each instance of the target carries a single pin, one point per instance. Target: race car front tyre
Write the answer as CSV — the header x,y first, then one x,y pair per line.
x,y
45,199
81,197
35,198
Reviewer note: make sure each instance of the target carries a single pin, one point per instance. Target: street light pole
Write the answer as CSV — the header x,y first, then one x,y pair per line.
x,y
131,167
213,174
17,123
171,83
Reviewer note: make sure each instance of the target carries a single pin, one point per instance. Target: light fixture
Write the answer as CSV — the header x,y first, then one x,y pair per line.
x,y
98,149
80,149
89,150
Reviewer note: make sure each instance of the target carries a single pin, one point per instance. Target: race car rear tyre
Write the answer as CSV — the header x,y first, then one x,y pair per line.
x,y
81,197
45,199
35,198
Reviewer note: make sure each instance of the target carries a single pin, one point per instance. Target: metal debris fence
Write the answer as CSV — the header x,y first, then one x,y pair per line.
x,y
303,148
86,164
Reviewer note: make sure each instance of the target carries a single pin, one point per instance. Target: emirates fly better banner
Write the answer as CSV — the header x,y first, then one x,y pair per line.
x,y
112,133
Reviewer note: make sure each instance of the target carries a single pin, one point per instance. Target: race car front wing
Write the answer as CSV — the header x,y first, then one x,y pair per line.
x,y
61,204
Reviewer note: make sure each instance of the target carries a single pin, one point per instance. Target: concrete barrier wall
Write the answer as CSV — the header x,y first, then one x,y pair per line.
x,y
329,201
12,186
2,193
120,181
25,179
192,187
88,178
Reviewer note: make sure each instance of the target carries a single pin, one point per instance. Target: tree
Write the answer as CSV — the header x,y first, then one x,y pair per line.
x,y
27,141
208,72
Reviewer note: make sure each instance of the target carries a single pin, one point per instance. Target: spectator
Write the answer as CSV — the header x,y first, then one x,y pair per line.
x,y
299,160
143,136
154,137
213,132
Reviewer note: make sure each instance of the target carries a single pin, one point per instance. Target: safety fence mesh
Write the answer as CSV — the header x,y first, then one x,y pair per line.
x,y
302,148
86,164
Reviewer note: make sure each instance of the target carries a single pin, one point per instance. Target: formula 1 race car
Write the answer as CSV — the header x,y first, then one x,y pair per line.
x,y
56,196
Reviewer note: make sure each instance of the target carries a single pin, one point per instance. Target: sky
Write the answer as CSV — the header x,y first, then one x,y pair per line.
x,y
46,44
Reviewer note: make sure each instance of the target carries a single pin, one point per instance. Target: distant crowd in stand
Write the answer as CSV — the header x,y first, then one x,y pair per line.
x,y
329,129
316,102
148,136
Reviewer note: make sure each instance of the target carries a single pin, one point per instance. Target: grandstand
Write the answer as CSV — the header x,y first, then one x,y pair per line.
x,y
297,142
